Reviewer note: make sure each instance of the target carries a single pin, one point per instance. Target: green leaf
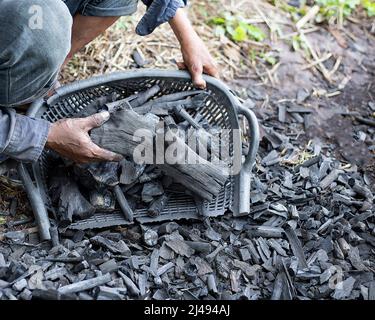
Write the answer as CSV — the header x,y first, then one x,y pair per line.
x,y
369,6
2,221
271,60
255,33
239,34
218,21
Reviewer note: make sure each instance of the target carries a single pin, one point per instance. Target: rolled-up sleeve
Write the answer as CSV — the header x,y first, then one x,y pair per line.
x,y
22,138
158,12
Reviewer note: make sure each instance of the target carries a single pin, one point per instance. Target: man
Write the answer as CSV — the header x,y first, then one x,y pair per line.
x,y
38,36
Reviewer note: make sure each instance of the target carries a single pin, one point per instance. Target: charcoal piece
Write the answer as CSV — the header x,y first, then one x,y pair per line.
x,y
200,246
371,290
103,199
115,247
107,293
166,253
15,236
20,285
51,294
73,204
2,261
26,294
168,102
211,284
271,158
344,289
180,247
54,232
244,254
132,288
265,231
282,112
138,58
130,171
278,286
356,260
302,95
277,247
150,237
329,179
103,173
296,246
249,271
202,266
151,190
108,266
234,280
78,236
85,284
81,266
211,257
13,207
254,254
124,204
158,205
96,105
165,268
211,234
55,273
123,132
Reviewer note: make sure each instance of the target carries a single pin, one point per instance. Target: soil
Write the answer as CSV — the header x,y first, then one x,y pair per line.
x,y
332,118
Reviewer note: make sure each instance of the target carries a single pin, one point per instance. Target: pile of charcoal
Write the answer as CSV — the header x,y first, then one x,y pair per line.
x,y
310,235
142,124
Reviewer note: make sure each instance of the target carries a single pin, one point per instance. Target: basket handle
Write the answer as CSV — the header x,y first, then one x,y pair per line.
x,y
245,174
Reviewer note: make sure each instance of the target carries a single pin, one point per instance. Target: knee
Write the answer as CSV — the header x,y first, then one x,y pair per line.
x,y
35,45
50,26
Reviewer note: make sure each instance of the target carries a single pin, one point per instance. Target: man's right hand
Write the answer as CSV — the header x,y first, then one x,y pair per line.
x,y
70,138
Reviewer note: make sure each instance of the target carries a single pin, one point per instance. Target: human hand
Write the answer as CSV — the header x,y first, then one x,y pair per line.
x,y
196,56
197,60
70,138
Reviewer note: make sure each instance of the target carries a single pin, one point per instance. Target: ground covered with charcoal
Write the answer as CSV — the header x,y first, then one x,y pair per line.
x,y
310,234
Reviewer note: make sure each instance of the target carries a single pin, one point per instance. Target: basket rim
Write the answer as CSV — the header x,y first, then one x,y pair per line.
x,y
131,74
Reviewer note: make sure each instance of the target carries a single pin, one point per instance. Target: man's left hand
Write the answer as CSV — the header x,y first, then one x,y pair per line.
x,y
196,57
197,60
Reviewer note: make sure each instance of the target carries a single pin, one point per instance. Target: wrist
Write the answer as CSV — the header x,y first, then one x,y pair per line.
x,y
182,27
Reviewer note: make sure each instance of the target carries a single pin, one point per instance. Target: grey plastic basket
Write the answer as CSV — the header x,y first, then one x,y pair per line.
x,y
222,109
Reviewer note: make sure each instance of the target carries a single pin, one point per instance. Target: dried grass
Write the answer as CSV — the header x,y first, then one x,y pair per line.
x,y
113,50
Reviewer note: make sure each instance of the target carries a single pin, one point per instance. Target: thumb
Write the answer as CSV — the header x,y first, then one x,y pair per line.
x,y
96,120
181,65
197,76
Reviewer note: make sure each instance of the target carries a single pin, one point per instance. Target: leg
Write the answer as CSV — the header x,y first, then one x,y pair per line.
x,y
85,29
33,48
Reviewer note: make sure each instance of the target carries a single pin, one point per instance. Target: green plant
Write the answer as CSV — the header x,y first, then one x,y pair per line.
x,y
338,9
236,28
369,6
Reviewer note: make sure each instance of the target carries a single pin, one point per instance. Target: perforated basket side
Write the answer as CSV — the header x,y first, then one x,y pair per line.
x,y
218,111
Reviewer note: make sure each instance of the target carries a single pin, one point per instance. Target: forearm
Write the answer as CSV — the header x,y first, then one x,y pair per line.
x,y
182,27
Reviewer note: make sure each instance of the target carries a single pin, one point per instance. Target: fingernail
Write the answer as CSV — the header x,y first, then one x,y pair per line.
x,y
105,115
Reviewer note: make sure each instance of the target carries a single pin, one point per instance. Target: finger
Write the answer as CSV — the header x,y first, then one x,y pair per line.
x,y
211,70
103,154
196,71
96,120
181,65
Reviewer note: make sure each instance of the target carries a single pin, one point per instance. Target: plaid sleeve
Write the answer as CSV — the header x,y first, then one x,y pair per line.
x,y
158,12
